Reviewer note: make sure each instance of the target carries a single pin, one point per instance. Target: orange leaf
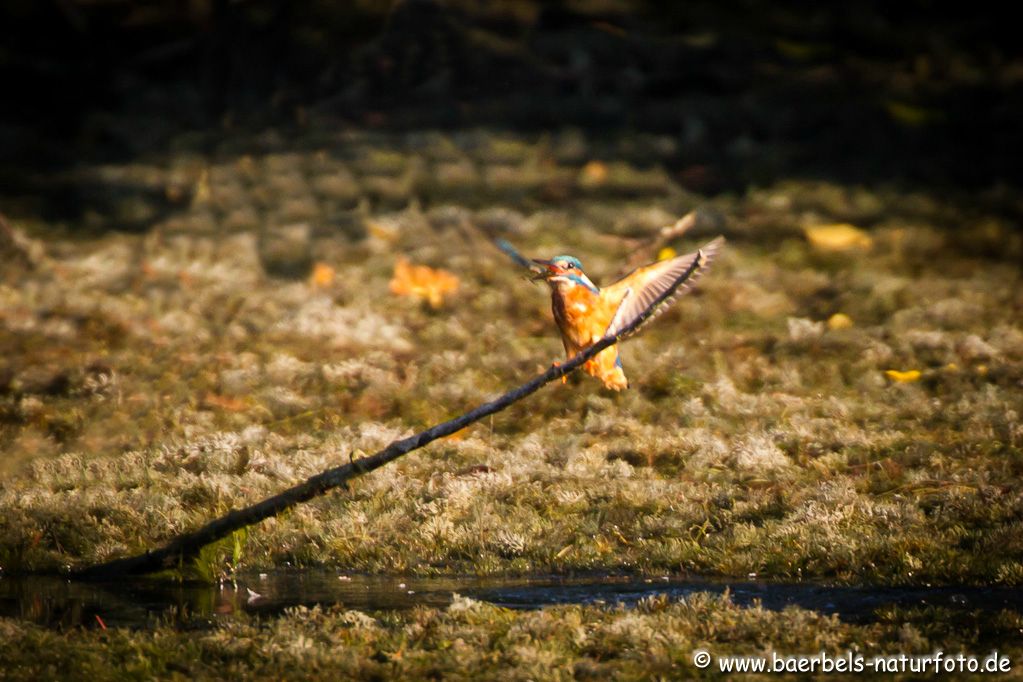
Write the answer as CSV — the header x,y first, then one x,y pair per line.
x,y
457,435
322,276
423,282
593,173
223,402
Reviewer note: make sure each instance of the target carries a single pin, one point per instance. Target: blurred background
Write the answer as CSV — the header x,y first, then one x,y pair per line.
x,y
919,92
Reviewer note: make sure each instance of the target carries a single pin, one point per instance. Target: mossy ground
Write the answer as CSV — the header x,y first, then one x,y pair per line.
x,y
151,381
472,640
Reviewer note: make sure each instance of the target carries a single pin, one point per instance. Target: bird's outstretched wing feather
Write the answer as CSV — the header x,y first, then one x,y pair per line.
x,y
668,279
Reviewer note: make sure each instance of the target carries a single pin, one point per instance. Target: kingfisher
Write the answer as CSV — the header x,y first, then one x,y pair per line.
x,y
586,313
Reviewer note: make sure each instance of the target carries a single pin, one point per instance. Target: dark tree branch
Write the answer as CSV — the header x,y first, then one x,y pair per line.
x,y
189,544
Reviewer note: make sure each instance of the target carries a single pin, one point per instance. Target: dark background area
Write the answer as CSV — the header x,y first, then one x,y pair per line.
x,y
916,92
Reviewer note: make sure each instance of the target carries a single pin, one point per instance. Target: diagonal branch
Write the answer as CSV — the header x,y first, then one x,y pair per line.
x,y
189,544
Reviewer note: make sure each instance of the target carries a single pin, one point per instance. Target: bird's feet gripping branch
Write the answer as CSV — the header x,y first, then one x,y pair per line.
x,y
586,313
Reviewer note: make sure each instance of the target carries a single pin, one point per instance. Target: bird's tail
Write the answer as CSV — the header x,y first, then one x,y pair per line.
x,y
607,366
517,257
512,253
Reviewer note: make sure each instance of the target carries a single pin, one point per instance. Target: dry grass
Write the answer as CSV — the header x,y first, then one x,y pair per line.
x,y
149,382
473,640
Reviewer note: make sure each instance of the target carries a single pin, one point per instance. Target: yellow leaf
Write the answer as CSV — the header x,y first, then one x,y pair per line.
x,y
564,550
666,253
910,115
839,321
906,377
423,282
322,276
838,237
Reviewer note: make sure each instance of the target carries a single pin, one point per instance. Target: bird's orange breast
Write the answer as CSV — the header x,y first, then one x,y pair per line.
x,y
582,315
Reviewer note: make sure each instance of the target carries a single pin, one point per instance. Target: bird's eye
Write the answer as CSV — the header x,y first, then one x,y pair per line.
x,y
569,266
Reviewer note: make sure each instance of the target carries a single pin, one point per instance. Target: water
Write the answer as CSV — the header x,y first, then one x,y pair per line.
x,y
63,604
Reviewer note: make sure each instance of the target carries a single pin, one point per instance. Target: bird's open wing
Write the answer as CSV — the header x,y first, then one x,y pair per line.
x,y
658,283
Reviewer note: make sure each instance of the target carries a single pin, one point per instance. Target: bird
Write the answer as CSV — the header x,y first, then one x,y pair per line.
x,y
585,313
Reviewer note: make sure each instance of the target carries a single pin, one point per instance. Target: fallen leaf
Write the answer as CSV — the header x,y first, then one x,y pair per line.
x,y
838,237
457,435
423,282
910,115
593,173
906,377
322,276
382,231
839,321
223,402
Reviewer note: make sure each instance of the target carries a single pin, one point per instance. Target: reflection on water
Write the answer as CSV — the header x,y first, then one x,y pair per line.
x,y
139,603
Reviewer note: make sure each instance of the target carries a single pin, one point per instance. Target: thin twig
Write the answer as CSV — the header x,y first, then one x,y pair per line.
x,y
647,252
188,545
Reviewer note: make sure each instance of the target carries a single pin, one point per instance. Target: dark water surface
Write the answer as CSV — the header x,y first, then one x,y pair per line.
x,y
137,603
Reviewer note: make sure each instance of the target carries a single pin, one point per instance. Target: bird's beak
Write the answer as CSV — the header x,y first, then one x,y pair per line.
x,y
548,265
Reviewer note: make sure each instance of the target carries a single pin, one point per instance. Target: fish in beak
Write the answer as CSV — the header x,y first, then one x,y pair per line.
x,y
550,268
